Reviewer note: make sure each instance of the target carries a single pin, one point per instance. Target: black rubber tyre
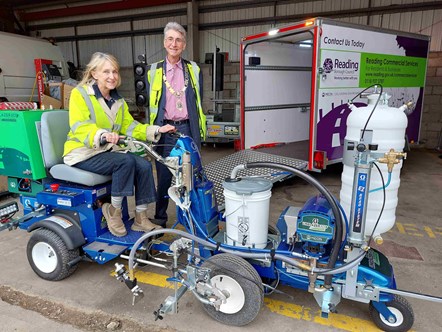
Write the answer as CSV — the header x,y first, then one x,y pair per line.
x,y
237,278
401,309
49,256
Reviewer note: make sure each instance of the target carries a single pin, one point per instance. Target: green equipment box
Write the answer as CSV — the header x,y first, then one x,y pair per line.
x,y
20,151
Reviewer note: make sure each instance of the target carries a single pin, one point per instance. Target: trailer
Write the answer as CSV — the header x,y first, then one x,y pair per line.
x,y
296,82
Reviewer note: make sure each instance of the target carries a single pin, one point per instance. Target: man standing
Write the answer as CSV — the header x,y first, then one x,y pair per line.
x,y
175,94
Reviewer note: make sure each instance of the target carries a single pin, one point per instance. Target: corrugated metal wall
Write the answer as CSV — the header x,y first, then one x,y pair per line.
x,y
241,22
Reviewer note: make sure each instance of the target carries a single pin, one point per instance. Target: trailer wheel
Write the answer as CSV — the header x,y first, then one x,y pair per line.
x,y
237,279
403,311
48,255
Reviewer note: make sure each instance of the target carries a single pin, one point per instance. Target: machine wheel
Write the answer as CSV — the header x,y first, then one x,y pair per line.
x,y
401,309
49,256
242,285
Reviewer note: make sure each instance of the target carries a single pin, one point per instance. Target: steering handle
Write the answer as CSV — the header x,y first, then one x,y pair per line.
x,y
103,141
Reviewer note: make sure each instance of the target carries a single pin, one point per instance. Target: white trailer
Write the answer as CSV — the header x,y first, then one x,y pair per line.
x,y
296,82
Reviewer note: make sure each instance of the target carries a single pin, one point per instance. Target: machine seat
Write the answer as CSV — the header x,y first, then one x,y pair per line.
x,y
54,131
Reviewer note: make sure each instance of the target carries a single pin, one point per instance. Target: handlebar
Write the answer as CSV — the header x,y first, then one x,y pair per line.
x,y
123,141
103,141
131,144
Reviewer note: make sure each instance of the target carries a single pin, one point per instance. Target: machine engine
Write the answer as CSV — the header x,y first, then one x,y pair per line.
x,y
315,226
310,228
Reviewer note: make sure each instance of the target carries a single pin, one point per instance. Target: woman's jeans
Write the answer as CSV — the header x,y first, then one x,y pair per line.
x,y
127,170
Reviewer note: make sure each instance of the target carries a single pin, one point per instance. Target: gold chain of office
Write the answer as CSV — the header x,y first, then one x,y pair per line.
x,y
178,94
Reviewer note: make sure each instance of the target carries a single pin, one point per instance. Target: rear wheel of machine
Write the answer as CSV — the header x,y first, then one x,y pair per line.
x,y
48,255
401,309
240,282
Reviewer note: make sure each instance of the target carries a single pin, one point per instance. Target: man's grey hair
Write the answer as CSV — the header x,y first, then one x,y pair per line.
x,y
175,26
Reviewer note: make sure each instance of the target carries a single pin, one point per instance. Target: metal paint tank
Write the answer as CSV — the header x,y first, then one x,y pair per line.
x,y
386,128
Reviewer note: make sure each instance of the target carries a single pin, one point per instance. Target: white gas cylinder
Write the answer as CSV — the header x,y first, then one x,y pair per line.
x,y
386,128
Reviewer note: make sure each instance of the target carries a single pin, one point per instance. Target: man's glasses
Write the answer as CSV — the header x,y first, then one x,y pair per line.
x,y
170,40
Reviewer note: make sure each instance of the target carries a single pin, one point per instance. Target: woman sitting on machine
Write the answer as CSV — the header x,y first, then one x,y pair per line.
x,y
97,113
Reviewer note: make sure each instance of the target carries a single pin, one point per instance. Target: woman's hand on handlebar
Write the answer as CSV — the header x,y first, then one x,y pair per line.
x,y
167,129
111,138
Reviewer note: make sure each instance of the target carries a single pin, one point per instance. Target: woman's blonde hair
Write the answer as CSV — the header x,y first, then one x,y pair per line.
x,y
97,61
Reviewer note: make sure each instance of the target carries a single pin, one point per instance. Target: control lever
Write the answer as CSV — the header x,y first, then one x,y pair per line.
x,y
176,134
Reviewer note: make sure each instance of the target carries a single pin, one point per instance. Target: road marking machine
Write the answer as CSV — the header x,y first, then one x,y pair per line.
x,y
229,257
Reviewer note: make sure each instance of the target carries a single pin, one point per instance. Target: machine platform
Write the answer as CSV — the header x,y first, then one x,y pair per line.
x,y
220,169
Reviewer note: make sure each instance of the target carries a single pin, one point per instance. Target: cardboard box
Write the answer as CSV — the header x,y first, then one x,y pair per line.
x,y
3,183
67,89
55,90
64,92
50,103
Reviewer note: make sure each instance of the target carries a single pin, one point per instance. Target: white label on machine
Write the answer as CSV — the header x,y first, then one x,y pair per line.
x,y
101,191
64,202
60,221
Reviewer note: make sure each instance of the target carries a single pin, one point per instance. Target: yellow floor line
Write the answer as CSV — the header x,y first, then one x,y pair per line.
x,y
343,322
338,321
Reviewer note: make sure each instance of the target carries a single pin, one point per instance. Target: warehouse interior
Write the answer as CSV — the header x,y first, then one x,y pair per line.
x,y
281,84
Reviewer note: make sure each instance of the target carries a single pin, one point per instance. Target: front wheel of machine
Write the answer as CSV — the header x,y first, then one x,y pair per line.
x,y
48,255
401,309
240,282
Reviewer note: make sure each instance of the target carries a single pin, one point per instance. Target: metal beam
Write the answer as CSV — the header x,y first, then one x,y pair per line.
x,y
93,9
111,35
422,6
247,4
104,20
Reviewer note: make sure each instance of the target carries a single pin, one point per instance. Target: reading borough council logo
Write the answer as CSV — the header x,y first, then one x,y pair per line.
x,y
328,65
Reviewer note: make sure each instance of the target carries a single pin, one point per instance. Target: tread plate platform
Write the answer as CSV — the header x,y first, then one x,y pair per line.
x,y
220,169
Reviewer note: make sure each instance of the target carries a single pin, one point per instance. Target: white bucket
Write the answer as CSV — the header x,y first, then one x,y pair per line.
x,y
247,212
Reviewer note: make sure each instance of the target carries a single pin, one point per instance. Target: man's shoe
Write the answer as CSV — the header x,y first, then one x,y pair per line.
x,y
159,222
114,220
142,223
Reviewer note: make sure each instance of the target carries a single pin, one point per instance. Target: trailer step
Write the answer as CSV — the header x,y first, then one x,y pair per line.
x,y
220,169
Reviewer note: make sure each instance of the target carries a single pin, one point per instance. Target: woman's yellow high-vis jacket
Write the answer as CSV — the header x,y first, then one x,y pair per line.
x,y
90,117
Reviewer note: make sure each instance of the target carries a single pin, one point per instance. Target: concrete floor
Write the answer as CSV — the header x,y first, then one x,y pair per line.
x,y
413,247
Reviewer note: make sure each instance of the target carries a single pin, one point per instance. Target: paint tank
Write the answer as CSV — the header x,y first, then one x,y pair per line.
x,y
247,211
386,128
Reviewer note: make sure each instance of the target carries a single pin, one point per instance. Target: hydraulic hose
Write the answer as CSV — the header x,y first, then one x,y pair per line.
x,y
330,199
328,272
248,255
213,246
